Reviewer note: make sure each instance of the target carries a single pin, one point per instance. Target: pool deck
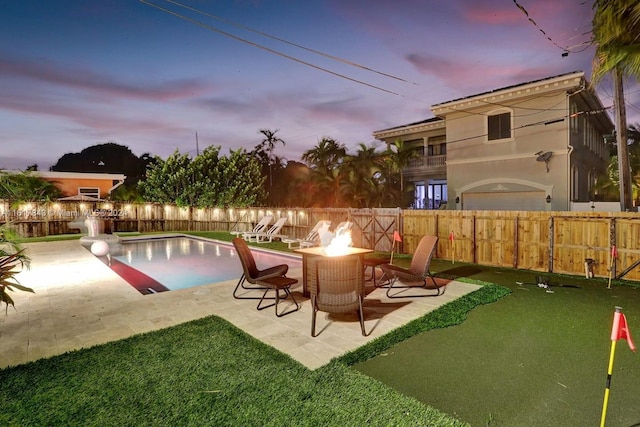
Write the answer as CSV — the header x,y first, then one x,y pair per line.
x,y
80,302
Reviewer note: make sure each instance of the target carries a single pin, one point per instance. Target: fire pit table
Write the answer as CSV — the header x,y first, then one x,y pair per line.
x,y
311,255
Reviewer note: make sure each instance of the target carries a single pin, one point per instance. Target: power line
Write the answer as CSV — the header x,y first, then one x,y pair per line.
x,y
565,49
317,52
275,52
545,122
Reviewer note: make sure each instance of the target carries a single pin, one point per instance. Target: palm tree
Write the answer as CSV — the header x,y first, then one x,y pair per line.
x,y
361,170
264,150
616,32
327,155
325,160
397,158
608,184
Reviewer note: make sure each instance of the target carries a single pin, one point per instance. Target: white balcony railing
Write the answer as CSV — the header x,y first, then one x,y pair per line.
x,y
428,162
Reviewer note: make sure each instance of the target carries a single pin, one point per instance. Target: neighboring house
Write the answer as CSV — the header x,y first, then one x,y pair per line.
x,y
534,146
81,185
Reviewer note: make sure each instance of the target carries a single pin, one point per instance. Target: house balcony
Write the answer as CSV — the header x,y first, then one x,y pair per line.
x,y
428,165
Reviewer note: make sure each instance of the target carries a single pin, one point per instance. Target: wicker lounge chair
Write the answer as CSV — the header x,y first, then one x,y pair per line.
x,y
310,240
417,275
251,273
260,227
339,288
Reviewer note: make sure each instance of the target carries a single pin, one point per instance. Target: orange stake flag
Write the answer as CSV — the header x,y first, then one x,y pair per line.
x,y
396,238
620,330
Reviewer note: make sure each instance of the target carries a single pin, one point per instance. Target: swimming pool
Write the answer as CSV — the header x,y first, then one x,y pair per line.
x,y
170,263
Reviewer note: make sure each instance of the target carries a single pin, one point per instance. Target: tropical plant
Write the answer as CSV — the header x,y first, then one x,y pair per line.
x,y
616,25
26,187
327,155
328,179
10,266
607,185
363,186
397,159
12,260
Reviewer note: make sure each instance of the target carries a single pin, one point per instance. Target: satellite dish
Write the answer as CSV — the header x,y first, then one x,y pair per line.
x,y
544,157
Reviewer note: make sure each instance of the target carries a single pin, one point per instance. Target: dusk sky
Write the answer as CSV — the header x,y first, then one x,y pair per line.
x,y
75,73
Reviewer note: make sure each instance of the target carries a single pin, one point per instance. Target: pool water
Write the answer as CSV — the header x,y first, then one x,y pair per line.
x,y
171,263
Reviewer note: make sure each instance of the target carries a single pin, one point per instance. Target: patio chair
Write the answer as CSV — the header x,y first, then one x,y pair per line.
x,y
269,235
279,283
338,288
310,240
250,271
260,227
375,262
417,275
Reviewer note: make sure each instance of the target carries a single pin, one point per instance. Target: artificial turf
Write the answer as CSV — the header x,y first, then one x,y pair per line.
x,y
532,358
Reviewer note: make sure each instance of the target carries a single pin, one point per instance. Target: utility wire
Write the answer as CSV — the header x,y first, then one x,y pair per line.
x,y
275,52
545,122
317,52
566,49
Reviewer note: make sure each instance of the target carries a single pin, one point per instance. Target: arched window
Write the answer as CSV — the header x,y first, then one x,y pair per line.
x,y
575,183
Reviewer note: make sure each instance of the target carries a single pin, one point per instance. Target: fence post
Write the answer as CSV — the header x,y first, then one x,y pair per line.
x,y
612,241
515,241
551,235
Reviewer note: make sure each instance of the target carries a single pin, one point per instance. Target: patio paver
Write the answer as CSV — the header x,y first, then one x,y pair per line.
x,y
79,302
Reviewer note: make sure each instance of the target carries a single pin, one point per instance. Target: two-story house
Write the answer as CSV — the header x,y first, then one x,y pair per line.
x,y
533,146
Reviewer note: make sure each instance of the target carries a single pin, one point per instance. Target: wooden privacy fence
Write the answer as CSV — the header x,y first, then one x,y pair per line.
x,y
555,242
541,241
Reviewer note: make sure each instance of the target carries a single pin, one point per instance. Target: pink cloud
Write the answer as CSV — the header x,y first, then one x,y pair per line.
x,y
45,71
467,76
489,14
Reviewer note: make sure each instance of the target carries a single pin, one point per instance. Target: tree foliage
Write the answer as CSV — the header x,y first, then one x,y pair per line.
x,y
106,158
367,178
26,187
209,180
272,166
616,33
607,185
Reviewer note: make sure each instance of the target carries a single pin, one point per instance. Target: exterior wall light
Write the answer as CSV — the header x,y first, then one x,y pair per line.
x,y
457,200
549,198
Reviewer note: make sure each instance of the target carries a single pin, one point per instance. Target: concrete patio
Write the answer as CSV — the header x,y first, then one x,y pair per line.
x,y
80,302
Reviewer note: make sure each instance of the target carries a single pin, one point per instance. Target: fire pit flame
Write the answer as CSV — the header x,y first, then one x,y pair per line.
x,y
339,244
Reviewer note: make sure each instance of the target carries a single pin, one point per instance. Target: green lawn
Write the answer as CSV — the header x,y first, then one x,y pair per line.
x,y
508,355
207,372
